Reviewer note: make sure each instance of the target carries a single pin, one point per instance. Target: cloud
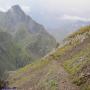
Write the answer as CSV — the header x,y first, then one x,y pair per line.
x,y
26,9
2,9
5,5
54,6
63,5
68,17
44,11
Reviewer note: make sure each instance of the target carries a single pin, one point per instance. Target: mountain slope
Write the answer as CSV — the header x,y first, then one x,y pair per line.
x,y
66,68
49,76
12,56
27,32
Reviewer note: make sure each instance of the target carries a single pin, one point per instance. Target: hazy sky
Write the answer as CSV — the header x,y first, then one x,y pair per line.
x,y
46,11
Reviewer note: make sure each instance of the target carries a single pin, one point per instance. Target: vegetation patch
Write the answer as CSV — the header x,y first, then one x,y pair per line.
x,y
80,31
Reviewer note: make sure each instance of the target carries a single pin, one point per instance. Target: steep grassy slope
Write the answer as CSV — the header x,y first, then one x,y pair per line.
x,y
43,75
66,68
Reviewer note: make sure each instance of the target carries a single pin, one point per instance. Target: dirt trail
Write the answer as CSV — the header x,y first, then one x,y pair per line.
x,y
62,76
64,81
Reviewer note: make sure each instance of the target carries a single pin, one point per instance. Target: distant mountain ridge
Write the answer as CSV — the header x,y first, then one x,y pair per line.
x,y
25,30
14,17
29,40
66,27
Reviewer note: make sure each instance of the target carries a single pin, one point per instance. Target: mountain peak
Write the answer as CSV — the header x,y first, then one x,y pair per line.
x,y
16,9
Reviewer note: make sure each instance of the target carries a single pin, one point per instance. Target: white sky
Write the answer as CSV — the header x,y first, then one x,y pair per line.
x,y
79,9
68,6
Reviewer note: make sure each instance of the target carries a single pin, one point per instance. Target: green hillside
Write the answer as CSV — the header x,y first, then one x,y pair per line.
x,y
12,56
66,68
